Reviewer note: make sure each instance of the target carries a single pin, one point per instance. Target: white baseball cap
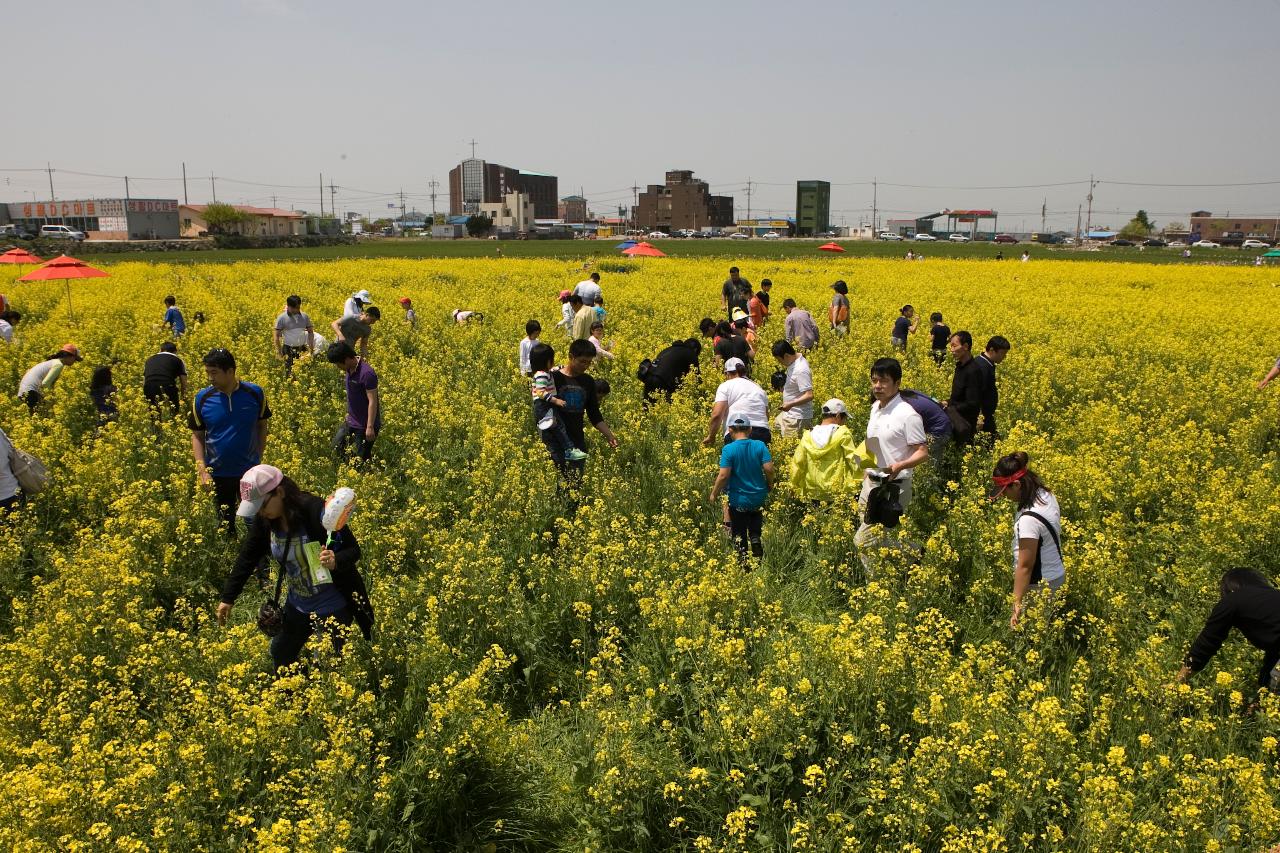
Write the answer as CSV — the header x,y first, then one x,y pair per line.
x,y
258,482
734,364
834,406
364,296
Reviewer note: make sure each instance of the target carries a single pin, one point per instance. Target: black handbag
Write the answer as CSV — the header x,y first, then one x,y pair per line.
x,y
270,613
884,504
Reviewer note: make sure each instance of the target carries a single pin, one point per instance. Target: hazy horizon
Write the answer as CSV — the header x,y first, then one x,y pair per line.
x,y
1009,107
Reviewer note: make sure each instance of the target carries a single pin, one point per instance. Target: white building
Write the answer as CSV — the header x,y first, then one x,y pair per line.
x,y
514,212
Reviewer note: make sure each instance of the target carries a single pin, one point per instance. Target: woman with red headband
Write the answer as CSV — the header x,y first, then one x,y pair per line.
x,y
1037,530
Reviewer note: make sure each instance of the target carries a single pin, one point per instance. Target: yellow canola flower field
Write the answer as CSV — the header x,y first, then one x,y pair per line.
x,y
599,674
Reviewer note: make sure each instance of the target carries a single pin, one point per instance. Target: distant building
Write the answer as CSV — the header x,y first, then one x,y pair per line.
x,y
1233,230
813,207
262,221
515,213
573,208
682,202
102,218
475,182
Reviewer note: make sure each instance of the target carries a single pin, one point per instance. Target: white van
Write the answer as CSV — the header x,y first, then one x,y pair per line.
x,y
60,232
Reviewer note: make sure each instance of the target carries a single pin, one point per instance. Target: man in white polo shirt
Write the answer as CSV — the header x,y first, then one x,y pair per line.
x,y
895,436
738,395
589,290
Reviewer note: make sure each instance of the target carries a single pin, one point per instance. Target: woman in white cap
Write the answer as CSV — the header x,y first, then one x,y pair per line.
x,y
42,377
319,568
355,304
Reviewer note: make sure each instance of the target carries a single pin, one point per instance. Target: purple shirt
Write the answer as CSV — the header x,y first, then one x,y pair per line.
x,y
359,382
936,421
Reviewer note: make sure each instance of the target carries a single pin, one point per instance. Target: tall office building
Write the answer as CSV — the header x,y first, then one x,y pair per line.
x,y
475,182
813,207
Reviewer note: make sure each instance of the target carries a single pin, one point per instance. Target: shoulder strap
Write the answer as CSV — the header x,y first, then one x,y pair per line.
x,y
284,556
1053,534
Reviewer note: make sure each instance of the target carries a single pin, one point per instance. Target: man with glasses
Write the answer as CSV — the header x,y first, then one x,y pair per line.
x,y
229,422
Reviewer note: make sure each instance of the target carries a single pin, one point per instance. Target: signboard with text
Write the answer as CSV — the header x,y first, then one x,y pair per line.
x,y
117,207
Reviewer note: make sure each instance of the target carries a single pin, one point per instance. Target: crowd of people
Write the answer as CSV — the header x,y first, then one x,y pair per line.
x,y
229,421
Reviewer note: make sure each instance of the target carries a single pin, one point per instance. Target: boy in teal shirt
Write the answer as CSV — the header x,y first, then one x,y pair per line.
x,y
746,475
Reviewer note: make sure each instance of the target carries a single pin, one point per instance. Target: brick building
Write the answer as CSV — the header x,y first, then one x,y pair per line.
x,y
475,182
573,208
682,202
1233,230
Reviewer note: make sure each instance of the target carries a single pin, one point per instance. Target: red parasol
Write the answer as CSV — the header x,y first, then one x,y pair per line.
x,y
65,268
644,250
19,256
831,247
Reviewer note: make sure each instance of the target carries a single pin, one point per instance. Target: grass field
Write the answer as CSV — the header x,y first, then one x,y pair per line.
x,y
727,249
557,674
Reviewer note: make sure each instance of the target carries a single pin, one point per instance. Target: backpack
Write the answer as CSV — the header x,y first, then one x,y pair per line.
x,y
1053,534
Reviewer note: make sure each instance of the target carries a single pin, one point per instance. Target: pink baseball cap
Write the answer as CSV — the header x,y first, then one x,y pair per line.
x,y
258,482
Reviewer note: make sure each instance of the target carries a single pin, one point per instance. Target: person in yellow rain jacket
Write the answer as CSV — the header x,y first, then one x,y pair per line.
x,y
827,461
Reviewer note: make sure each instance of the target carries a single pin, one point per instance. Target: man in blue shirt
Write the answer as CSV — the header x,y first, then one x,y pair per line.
x,y
228,421
746,475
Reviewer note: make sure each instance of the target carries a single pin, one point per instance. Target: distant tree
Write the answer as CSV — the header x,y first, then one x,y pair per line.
x,y
1139,226
1176,226
479,225
223,218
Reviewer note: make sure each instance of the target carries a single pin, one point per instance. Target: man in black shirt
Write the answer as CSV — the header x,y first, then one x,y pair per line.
x,y
735,293
581,402
670,368
1249,603
164,376
997,348
732,345
965,401
939,334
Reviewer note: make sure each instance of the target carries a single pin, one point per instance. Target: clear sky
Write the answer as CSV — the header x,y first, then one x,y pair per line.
x,y
957,98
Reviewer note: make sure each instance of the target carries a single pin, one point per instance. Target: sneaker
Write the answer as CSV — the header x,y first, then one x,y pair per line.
x,y
757,548
573,454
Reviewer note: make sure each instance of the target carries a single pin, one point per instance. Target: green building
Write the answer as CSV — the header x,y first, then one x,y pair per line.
x,y
813,207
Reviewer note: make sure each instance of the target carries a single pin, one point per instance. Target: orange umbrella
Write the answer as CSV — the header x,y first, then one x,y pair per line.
x,y
644,250
831,247
65,268
19,256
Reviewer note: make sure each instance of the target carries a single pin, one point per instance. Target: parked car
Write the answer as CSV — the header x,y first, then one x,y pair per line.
x,y
771,235
889,235
1177,244
1004,238
60,232
825,235
739,235
1206,244
653,235
1255,244
925,238
1154,243
16,232
1068,241
1122,242
959,238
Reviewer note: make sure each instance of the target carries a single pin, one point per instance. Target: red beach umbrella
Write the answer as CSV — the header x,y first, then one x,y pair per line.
x,y
644,250
831,247
65,268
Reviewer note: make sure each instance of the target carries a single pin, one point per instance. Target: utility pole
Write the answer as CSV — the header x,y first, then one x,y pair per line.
x,y
273,201
333,201
473,148
49,169
402,211
1079,208
214,187
749,225
1088,222
875,226
322,195
433,184
635,201
1043,208
184,184
126,187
